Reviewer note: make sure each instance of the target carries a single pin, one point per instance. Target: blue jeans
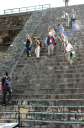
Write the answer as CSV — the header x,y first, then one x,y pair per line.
x,y
27,50
72,20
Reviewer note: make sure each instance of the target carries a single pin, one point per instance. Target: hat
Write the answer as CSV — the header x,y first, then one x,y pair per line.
x,y
62,34
58,24
65,42
72,9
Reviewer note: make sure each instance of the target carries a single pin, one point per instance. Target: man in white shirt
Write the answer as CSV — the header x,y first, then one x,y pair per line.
x,y
73,16
68,52
65,17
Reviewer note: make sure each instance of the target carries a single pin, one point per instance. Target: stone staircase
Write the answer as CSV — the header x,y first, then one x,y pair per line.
x,y
48,90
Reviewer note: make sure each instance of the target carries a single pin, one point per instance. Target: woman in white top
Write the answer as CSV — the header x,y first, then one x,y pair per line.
x,y
37,50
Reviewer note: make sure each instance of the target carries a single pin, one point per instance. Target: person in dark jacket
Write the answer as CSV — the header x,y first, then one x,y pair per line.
x,y
28,45
5,87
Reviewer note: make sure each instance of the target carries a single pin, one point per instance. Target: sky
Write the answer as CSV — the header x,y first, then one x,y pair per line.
x,y
9,4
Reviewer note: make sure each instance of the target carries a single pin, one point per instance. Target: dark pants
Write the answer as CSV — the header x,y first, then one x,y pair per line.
x,y
4,94
27,50
66,3
72,20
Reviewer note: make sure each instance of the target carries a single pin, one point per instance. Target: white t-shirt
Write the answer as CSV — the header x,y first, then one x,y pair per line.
x,y
68,47
73,15
65,15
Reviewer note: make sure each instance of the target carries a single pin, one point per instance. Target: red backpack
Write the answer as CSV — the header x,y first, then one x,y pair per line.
x,y
40,44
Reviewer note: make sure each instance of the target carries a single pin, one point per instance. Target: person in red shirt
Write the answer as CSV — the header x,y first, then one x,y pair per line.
x,y
50,42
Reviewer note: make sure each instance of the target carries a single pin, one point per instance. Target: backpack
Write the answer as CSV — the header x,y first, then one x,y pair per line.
x,y
53,32
40,44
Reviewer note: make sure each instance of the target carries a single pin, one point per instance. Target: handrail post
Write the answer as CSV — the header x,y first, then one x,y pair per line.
x,y
27,9
42,7
11,11
19,10
19,115
39,6
4,12
35,8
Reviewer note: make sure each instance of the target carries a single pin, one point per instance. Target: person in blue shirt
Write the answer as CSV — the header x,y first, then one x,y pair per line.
x,y
61,29
5,86
51,43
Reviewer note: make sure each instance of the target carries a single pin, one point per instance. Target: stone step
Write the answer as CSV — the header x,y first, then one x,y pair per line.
x,y
41,108
47,102
53,116
46,123
49,91
56,69
47,96
43,76
47,86
46,58
48,80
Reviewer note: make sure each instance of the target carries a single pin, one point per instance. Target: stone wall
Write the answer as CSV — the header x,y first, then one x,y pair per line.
x,y
7,37
11,22
3,49
11,57
11,25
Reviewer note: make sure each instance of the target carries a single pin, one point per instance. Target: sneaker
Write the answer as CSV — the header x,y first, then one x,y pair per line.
x,y
38,57
29,55
63,51
48,55
3,104
9,102
52,54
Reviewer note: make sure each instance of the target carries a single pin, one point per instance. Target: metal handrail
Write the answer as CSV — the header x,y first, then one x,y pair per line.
x,y
26,9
